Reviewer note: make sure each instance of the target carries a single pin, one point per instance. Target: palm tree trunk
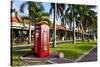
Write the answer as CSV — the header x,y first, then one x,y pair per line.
x,y
65,30
73,30
73,19
82,31
54,27
29,38
82,35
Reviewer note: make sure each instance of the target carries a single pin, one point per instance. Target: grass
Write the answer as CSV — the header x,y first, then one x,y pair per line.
x,y
16,61
71,51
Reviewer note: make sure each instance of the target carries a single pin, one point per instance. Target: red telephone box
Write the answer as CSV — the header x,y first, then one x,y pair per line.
x,y
41,40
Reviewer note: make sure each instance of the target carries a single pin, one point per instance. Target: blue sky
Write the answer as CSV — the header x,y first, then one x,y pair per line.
x,y
17,4
46,5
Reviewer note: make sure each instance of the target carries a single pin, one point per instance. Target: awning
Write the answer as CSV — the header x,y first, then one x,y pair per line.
x,y
21,26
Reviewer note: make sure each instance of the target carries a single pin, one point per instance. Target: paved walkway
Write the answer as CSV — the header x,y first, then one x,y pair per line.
x,y
25,46
51,59
54,59
92,56
59,60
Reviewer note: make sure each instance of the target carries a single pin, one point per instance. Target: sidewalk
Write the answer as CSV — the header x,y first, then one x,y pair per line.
x,y
51,59
25,46
30,45
92,56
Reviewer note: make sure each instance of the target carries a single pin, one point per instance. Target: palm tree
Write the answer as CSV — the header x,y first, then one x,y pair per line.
x,y
42,16
93,21
57,10
71,14
86,18
83,16
32,7
35,14
53,8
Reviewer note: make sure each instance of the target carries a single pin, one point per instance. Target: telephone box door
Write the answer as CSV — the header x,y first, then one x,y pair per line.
x,y
45,40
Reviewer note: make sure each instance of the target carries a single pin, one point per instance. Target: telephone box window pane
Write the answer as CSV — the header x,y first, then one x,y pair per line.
x,y
37,41
45,34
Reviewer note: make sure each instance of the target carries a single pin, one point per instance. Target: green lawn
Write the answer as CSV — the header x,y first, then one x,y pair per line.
x,y
16,61
71,51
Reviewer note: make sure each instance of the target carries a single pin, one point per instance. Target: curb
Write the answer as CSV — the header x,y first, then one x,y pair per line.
x,y
51,61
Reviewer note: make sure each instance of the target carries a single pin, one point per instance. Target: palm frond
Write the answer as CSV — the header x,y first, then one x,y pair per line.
x,y
23,6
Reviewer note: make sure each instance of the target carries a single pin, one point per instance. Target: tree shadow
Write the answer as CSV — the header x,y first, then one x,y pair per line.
x,y
71,55
84,48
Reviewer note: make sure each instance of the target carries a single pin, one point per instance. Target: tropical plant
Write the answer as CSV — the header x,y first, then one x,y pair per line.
x,y
87,18
36,14
71,14
57,10
83,16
